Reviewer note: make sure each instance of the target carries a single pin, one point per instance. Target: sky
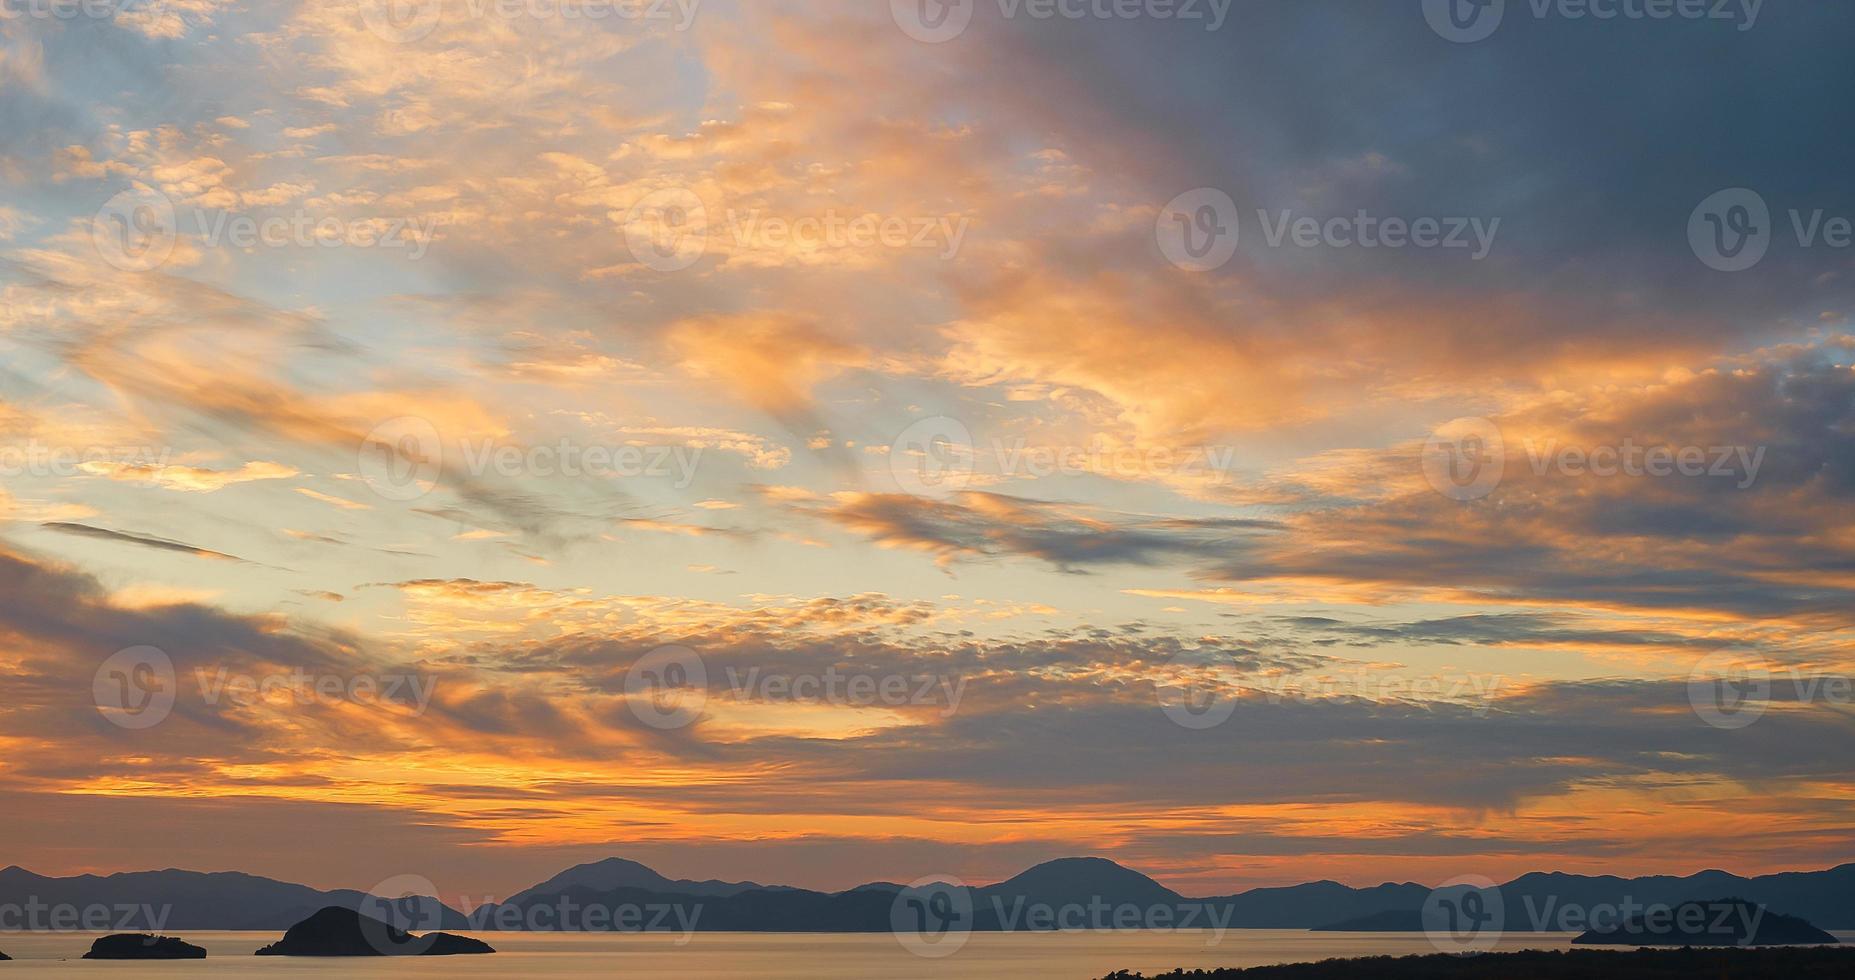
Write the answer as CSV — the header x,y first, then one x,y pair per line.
x,y
825,442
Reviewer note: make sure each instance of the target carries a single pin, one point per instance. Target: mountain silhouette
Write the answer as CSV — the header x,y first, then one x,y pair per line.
x,y
613,873
1064,880
626,896
154,901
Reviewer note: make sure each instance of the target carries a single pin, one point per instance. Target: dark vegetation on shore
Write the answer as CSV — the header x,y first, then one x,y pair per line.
x,y
142,946
1788,963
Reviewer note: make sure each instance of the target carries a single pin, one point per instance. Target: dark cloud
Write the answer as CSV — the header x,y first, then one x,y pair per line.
x,y
145,541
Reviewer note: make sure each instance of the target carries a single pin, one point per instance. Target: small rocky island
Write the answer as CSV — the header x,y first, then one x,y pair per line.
x,y
141,946
1725,922
337,931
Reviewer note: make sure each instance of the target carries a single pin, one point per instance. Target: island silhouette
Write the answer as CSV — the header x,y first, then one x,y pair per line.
x,y
337,931
142,946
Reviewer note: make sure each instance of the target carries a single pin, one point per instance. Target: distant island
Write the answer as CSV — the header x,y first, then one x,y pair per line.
x,y
1726,922
337,931
1817,963
131,946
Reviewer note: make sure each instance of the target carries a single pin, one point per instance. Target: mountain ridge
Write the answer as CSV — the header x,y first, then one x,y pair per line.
x,y
242,901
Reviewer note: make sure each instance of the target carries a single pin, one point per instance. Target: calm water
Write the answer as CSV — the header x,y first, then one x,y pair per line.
x,y
714,956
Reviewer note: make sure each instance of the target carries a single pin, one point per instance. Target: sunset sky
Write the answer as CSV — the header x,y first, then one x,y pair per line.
x,y
890,365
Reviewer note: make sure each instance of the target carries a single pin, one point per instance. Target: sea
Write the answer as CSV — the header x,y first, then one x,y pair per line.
x,y
781,956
